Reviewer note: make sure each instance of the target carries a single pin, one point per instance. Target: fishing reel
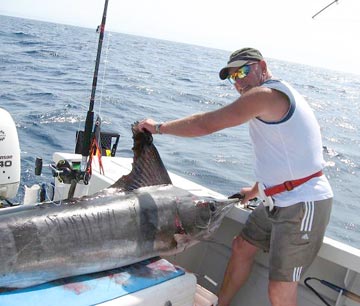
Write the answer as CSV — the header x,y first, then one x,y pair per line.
x,y
67,172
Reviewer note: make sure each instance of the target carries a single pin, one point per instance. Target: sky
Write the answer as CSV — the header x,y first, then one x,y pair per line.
x,y
280,29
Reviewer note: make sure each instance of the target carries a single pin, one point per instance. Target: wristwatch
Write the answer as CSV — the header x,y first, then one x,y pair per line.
x,y
157,128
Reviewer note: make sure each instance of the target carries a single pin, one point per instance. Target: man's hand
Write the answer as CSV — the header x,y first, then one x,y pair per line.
x,y
147,124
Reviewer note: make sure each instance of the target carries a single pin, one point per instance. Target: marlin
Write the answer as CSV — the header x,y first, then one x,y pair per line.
x,y
140,216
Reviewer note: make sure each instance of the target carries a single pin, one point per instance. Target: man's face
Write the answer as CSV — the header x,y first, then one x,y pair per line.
x,y
246,77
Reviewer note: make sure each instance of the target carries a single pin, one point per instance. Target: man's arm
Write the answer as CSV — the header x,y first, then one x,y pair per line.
x,y
261,102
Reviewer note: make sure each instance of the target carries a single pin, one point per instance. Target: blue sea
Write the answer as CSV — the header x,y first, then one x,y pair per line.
x,y
45,83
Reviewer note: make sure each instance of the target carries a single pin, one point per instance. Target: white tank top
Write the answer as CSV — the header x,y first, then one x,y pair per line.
x,y
290,149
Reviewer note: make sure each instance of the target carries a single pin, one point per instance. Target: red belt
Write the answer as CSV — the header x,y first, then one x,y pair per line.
x,y
290,185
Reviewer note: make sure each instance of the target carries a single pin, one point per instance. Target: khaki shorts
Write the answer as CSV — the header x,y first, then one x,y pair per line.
x,y
292,235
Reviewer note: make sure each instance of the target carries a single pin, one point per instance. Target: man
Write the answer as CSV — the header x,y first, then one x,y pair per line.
x,y
297,198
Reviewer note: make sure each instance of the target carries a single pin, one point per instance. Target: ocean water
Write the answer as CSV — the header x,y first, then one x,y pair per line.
x,y
45,83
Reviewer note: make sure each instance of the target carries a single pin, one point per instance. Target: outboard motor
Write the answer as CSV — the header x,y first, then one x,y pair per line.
x,y
9,156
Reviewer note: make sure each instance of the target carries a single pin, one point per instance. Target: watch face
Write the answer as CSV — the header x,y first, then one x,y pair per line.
x,y
157,128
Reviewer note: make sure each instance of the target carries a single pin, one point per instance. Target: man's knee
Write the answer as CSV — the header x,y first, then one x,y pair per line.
x,y
243,249
283,293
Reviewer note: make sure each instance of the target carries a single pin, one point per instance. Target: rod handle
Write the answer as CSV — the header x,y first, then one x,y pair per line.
x,y
352,296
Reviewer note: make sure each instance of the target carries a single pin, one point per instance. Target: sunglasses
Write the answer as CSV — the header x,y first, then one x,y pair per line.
x,y
240,74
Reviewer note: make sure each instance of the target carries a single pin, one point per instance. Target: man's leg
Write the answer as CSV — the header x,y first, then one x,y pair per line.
x,y
238,269
283,293
297,234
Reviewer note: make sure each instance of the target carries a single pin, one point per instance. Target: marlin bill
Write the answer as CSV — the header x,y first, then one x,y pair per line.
x,y
141,216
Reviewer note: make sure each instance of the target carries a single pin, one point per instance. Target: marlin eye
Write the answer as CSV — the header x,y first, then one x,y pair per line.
x,y
212,206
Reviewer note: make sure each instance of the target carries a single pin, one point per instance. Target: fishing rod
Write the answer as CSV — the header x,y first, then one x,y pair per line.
x,y
324,8
351,295
90,114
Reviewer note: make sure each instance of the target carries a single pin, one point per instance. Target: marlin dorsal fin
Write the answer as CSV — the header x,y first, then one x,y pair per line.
x,y
147,167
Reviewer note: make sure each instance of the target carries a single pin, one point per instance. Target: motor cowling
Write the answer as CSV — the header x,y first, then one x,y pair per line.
x,y
9,156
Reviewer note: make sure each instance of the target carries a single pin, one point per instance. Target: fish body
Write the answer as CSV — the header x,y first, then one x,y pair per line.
x,y
120,225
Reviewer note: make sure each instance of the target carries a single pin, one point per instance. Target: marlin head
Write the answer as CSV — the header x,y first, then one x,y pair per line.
x,y
204,217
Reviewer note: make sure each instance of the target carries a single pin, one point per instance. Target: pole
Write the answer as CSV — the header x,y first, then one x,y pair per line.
x,y
90,114
324,8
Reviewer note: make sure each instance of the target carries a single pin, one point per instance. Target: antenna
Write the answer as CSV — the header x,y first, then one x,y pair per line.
x,y
324,8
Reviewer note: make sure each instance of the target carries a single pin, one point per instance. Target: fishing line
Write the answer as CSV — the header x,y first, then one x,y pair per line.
x,y
49,193
203,275
82,106
108,36
212,241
